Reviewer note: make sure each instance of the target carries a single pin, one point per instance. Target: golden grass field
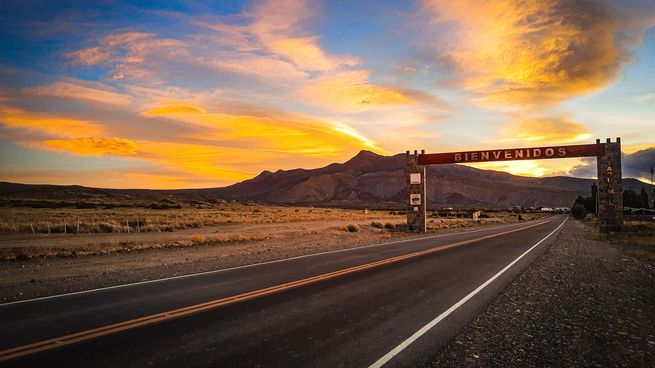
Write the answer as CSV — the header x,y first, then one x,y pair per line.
x,y
131,220
144,220
26,233
639,239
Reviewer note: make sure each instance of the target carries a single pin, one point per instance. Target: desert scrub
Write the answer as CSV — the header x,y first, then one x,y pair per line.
x,y
389,226
353,228
377,225
133,220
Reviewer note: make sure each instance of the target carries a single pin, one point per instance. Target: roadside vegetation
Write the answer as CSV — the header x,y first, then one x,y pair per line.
x,y
71,220
135,220
637,239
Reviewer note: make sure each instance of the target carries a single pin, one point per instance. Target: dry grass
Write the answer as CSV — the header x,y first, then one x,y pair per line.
x,y
128,220
133,220
26,253
460,220
638,239
353,228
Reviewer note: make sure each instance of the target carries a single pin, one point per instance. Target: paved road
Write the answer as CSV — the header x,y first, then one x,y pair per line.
x,y
348,308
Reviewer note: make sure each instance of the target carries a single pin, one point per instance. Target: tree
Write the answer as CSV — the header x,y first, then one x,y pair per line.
x,y
631,199
589,203
645,202
578,211
594,197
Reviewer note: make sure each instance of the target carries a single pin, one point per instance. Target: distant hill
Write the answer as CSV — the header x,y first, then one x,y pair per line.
x,y
368,179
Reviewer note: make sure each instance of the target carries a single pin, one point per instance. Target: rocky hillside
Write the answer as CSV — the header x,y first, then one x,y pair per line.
x,y
367,179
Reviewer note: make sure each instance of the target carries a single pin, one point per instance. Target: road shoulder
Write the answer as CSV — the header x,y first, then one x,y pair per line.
x,y
584,302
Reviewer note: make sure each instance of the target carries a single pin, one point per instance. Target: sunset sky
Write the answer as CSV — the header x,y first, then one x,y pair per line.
x,y
140,95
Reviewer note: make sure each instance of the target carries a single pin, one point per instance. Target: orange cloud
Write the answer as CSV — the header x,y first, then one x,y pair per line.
x,y
273,133
93,146
80,90
45,123
534,52
221,148
218,163
351,92
174,108
556,129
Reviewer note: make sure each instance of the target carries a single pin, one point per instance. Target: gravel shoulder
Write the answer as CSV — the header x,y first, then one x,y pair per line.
x,y
583,303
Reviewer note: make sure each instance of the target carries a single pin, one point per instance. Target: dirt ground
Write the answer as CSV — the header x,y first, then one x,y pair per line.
x,y
586,302
40,265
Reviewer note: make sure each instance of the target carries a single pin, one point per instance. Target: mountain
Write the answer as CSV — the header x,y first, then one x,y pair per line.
x,y
368,179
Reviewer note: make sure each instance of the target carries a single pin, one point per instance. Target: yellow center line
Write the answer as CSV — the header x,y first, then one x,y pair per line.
x,y
185,311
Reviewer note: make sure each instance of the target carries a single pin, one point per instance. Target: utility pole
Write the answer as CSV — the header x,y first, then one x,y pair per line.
x,y
652,190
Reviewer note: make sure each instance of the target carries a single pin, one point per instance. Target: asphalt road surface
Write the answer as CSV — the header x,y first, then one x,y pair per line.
x,y
389,305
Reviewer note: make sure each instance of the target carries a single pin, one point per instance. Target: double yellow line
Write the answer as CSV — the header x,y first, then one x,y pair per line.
x,y
181,312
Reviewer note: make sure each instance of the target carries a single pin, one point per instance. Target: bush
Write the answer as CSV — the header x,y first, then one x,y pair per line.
x,y
579,211
353,228
377,225
389,226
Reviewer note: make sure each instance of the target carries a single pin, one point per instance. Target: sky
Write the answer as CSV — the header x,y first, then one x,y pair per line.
x,y
186,95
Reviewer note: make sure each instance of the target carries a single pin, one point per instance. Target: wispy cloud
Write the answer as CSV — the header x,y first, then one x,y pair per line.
x,y
351,92
288,133
279,25
75,89
48,124
93,146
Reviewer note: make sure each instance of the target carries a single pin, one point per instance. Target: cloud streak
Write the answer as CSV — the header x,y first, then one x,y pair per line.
x,y
74,89
352,92
94,146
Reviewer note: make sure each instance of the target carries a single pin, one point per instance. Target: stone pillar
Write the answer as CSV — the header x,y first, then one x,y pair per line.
x,y
610,189
416,197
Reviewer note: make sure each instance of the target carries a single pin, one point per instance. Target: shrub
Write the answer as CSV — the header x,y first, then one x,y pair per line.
x,y
353,228
377,224
389,226
579,211
105,227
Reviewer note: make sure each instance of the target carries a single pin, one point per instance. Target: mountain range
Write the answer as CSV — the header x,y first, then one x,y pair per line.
x,y
366,180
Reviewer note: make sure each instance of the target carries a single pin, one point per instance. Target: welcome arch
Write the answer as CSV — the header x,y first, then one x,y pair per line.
x,y
608,163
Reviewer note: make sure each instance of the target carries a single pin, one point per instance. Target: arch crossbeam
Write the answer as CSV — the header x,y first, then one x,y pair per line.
x,y
608,158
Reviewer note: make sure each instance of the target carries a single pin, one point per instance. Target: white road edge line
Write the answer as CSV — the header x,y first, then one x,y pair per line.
x,y
395,351
244,266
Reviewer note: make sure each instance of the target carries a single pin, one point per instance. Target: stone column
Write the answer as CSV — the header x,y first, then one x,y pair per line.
x,y
610,189
416,197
